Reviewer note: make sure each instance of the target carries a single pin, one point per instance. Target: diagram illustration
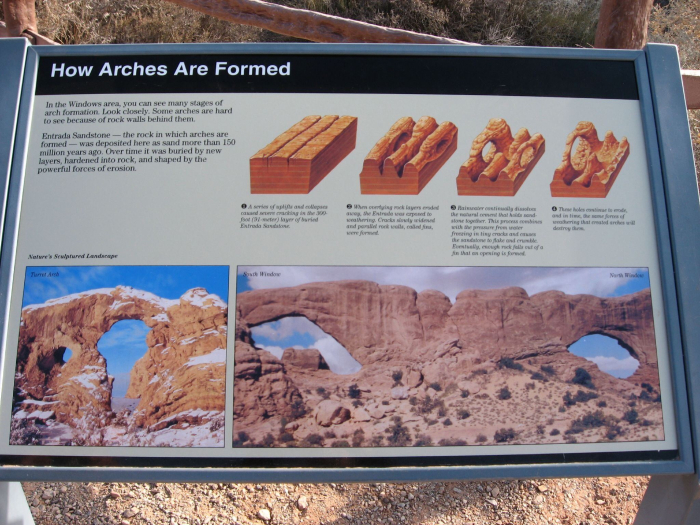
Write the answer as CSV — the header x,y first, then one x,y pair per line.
x,y
300,158
407,157
594,166
504,167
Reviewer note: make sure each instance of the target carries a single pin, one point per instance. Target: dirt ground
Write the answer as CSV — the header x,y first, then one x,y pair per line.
x,y
561,501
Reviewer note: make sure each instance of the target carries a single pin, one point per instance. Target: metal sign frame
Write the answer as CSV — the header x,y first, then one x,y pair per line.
x,y
676,212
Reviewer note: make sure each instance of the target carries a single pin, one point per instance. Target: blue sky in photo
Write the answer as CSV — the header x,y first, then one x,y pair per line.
x,y
601,282
168,282
607,353
298,332
274,336
122,346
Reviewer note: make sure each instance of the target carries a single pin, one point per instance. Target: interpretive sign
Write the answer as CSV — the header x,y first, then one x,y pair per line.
x,y
249,257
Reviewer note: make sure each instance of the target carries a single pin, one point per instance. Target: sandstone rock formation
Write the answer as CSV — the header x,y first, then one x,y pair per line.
x,y
331,413
593,168
262,387
308,358
394,324
506,165
179,381
415,344
404,160
298,159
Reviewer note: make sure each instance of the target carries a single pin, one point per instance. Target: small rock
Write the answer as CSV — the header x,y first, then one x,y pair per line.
x,y
457,490
302,503
292,426
542,488
495,491
599,501
414,378
492,502
361,415
63,489
399,392
114,495
330,412
48,494
264,515
539,499
130,513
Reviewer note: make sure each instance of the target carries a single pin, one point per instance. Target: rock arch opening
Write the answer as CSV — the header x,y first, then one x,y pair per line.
x,y
608,353
299,333
55,360
122,346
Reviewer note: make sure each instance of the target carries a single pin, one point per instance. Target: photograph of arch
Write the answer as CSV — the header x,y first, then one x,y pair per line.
x,y
341,356
122,356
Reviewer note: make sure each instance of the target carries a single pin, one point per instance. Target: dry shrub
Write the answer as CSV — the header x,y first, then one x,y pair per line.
x,y
679,23
512,22
132,21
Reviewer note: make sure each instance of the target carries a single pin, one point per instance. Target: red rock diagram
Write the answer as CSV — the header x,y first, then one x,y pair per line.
x,y
404,160
297,160
593,168
505,166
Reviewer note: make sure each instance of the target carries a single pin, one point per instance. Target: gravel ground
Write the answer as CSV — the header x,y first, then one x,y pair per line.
x,y
559,501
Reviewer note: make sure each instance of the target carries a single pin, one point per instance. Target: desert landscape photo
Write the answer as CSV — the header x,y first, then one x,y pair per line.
x,y
440,356
122,356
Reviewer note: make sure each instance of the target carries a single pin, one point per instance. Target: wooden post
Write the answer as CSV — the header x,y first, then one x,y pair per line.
x,y
308,25
623,24
20,16
691,85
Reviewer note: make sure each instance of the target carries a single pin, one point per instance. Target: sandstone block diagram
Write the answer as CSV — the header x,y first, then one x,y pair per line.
x,y
593,167
505,166
300,158
404,160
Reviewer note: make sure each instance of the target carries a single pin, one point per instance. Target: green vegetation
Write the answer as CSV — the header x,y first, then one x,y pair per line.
x,y
583,378
580,397
399,436
423,441
590,420
537,376
504,435
454,442
507,362
428,404
358,437
631,416
354,391
504,393
549,370
313,440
